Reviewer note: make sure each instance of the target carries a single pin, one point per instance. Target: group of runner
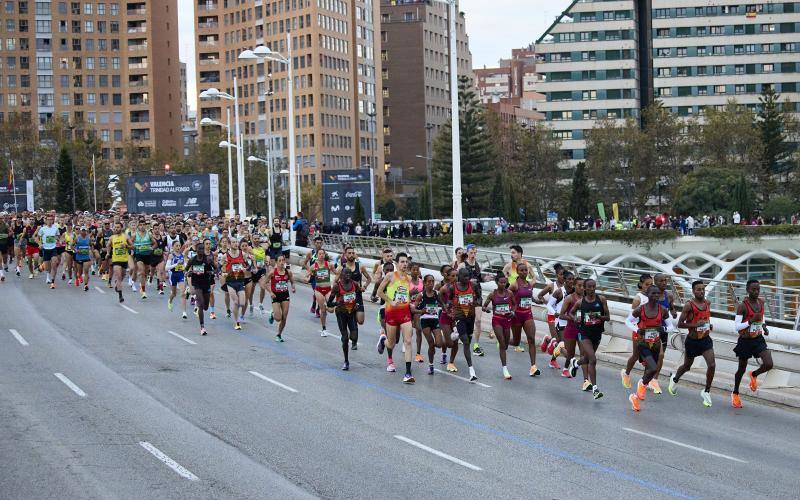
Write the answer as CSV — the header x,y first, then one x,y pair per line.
x,y
190,258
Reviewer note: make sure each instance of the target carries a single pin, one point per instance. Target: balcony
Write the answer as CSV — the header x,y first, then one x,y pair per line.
x,y
137,29
141,11
140,117
208,25
209,59
206,7
137,47
140,134
208,43
139,99
138,82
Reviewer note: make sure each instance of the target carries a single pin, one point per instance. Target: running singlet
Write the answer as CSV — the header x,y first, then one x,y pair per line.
x,y
416,289
346,302
275,240
177,263
398,290
430,306
323,275
561,322
651,327
82,249
589,314
119,248
68,240
524,296
502,304
49,235
235,267
756,320
702,318
260,256
142,244
279,283
463,301
159,249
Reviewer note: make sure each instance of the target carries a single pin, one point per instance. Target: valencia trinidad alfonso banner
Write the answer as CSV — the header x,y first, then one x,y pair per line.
x,y
173,194
22,201
340,190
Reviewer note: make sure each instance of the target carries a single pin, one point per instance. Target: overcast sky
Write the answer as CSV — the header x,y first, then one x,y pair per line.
x,y
494,27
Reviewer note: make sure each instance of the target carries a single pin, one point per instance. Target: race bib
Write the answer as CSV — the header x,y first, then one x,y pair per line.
x,y
349,297
120,251
237,268
158,251
432,310
276,245
502,308
593,318
83,251
282,286
756,328
322,274
179,267
465,300
703,328
525,302
401,295
651,335
199,268
50,240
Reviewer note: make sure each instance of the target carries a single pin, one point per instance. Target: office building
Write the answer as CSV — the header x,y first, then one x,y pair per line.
x,y
337,119
415,37
184,96
611,59
95,65
510,88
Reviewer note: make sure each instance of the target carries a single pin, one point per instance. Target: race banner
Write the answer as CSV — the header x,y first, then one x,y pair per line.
x,y
24,196
173,194
340,190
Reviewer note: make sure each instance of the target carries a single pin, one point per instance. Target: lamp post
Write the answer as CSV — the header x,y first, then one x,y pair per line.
x,y
458,226
428,160
263,52
270,192
209,121
214,93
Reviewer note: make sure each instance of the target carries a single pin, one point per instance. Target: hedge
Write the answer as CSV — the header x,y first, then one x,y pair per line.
x,y
748,232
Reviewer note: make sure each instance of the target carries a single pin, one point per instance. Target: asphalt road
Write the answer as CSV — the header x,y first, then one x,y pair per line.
x,y
100,401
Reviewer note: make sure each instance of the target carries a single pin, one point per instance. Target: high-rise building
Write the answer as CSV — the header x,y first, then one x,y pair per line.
x,y
336,103
415,36
184,96
611,59
104,66
510,88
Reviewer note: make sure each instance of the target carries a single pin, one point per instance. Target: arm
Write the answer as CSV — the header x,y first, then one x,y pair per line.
x,y
291,280
568,311
686,315
382,290
415,305
668,325
551,303
487,302
739,323
764,324
367,279
544,291
671,299
636,302
606,314
332,297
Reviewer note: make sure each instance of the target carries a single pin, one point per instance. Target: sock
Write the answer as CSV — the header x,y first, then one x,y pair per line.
x,y
408,366
471,371
211,309
389,360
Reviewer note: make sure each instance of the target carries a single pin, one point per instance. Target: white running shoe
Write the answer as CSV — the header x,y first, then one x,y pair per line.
x,y
323,333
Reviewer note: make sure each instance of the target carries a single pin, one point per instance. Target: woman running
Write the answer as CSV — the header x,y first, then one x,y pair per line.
x,y
449,276
157,262
279,281
428,307
652,320
570,333
503,310
523,317
176,267
68,256
415,290
83,258
463,301
321,272
593,313
342,301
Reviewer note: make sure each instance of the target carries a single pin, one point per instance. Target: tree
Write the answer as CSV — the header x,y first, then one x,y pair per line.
x,y
497,201
743,197
424,203
671,149
581,197
477,156
388,210
772,123
64,180
706,190
358,212
728,138
779,208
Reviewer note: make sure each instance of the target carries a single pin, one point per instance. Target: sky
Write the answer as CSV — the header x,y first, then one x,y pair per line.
x,y
494,28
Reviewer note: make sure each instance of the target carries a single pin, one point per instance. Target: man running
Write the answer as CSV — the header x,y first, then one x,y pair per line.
x,y
176,267
653,321
696,316
749,322
118,246
395,291
201,269
645,282
667,300
342,301
83,257
464,299
48,237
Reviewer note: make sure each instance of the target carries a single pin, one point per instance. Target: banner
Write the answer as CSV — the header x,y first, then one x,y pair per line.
x,y
615,210
552,217
173,194
24,198
601,209
340,189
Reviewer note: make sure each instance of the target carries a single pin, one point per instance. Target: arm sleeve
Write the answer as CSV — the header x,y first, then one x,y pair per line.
x,y
551,305
739,323
632,322
669,324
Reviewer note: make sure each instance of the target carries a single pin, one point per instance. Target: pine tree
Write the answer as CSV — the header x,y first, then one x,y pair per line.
x,y
497,202
771,124
477,156
743,197
580,198
64,182
424,204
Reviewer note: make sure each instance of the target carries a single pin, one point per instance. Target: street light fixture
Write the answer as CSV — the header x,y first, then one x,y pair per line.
x,y
207,122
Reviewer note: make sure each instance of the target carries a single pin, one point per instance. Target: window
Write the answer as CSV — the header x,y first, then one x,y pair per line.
x,y
767,28
44,63
43,26
662,32
684,71
768,68
87,8
738,29
91,99
681,51
664,72
88,26
589,95
101,9
45,81
562,134
662,13
739,89
739,69
766,48
719,70
665,91
719,89
738,49
703,90
663,52
717,30
114,9
788,47
718,50
589,114
750,48
702,51
42,8
680,12
702,71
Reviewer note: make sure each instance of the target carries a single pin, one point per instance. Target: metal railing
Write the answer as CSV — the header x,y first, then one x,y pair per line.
x,y
619,283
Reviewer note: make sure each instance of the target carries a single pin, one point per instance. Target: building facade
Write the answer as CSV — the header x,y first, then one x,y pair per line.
x,y
337,119
611,59
415,78
510,89
96,66
184,96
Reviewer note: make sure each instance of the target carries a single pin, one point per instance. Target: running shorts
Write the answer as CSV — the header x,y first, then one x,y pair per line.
x,y
571,332
60,250
4,246
501,322
397,317
323,290
653,350
258,275
123,265
176,277
144,259
237,285
520,317
280,297
31,250
48,254
594,338
273,253
156,260
551,319
465,326
696,347
747,347
431,323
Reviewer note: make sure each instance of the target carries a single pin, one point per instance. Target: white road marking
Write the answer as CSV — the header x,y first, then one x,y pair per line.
x,y
274,382
438,453
182,337
677,443
99,289
19,337
69,383
172,464
128,309
460,378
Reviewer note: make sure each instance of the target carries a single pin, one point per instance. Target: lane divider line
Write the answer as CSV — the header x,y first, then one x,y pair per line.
x,y
99,290
181,337
459,377
128,309
438,453
172,464
684,445
69,383
273,382
19,337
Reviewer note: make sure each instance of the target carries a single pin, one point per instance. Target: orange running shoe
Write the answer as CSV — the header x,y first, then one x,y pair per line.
x,y
736,401
641,390
419,358
655,387
753,382
634,402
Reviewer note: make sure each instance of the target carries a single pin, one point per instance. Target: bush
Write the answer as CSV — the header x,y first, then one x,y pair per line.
x,y
779,207
748,232
633,237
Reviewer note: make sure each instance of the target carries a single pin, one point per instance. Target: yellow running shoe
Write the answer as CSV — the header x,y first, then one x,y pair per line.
x,y
626,379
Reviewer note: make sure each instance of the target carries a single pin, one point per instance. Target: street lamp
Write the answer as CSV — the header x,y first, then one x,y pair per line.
x,y
263,52
270,191
209,121
371,192
213,93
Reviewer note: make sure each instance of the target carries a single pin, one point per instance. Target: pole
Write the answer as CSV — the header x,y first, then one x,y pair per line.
x,y
270,190
240,150
14,186
230,167
372,194
458,227
294,202
428,161
94,183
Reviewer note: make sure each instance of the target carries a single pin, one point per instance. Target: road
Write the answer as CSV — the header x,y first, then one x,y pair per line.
x,y
100,401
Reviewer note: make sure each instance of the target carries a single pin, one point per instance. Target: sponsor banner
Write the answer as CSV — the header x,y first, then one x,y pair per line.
x,y
340,190
173,194
23,200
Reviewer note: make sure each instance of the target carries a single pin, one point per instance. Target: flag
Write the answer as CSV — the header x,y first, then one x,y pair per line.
x,y
11,176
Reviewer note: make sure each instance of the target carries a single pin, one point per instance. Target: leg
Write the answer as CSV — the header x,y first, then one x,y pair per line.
x,y
352,325
502,342
464,327
530,334
766,363
342,323
589,360
711,364
284,316
431,344
737,377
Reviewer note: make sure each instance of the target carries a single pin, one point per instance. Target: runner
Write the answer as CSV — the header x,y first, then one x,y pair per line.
x,y
428,306
570,333
342,301
593,313
377,271
449,276
309,260
387,269
6,242
143,245
158,262
261,269
510,269
523,316
201,269
549,342
652,320
32,248
395,291
416,290
321,272
668,301
362,279
47,237
235,274
645,282
68,255
83,258
176,267
696,316
749,322
464,299
118,246
275,238
279,280
503,311
470,263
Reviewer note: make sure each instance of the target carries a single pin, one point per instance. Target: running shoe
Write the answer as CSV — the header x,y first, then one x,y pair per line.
x,y
85,288
312,309
237,326
736,401
519,348
408,379
354,346
144,295
557,351
323,333
573,367
419,358
317,314
68,282
184,315
251,310
169,304
30,276
534,371
203,330
753,382
121,298
586,386
345,366
545,343
18,273
53,285
554,364
451,367
706,398
641,390
227,314
654,386
634,402
390,366
443,361
476,348
196,310
278,338
596,394
552,346
430,369
271,319
191,302
506,374
63,277
565,373
672,388
381,344
212,315
261,309
626,379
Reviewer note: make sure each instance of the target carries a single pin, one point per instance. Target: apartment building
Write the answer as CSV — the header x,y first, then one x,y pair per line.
x,y
337,119
95,65
510,88
612,58
415,38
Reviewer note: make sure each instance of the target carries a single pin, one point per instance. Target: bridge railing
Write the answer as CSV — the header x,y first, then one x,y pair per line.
x,y
782,304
